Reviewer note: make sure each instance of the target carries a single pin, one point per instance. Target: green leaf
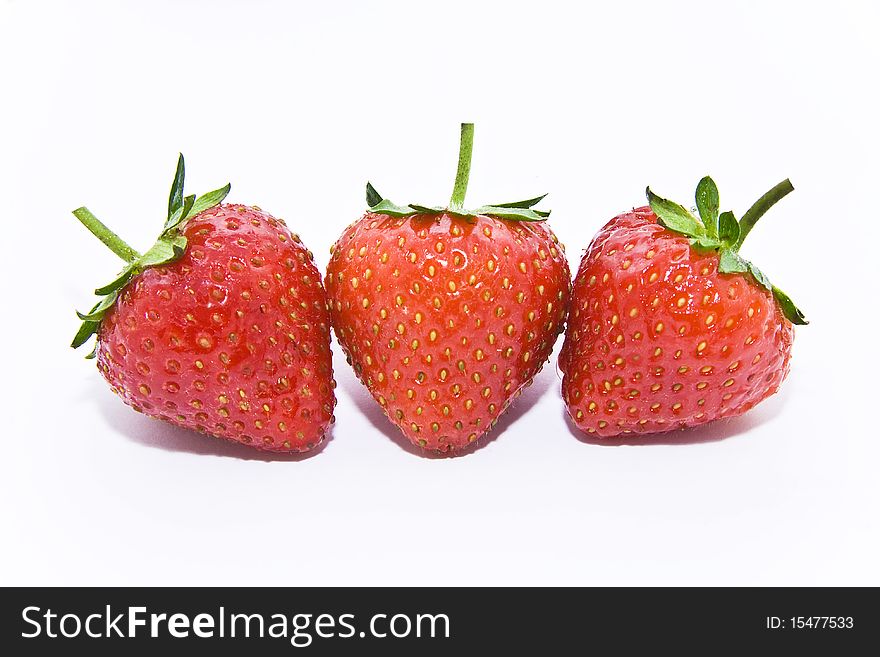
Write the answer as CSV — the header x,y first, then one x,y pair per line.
x,y
163,251
179,214
427,209
387,207
97,313
520,204
705,243
707,204
209,200
118,282
760,276
730,262
373,197
178,242
86,330
728,228
93,352
514,214
789,309
674,217
175,199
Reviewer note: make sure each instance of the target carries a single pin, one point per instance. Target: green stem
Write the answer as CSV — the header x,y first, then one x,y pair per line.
x,y
760,207
107,236
464,167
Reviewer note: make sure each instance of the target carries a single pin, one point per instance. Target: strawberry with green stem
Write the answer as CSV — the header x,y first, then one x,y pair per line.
x,y
445,313
670,327
221,326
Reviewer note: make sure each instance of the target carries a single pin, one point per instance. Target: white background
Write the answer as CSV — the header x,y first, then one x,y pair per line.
x,y
297,104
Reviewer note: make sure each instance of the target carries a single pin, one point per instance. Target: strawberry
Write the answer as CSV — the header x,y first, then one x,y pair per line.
x,y
447,314
670,327
221,326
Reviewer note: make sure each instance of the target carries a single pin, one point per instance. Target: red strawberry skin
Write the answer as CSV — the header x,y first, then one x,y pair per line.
x,y
658,339
232,339
445,318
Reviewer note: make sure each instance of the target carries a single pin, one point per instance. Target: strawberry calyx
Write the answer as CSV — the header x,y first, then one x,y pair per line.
x,y
514,211
169,247
722,233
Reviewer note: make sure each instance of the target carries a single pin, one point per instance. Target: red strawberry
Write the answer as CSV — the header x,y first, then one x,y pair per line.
x,y
447,314
222,326
670,327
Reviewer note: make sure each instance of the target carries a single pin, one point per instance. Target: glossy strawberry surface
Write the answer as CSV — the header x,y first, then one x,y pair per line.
x,y
658,339
446,318
232,339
